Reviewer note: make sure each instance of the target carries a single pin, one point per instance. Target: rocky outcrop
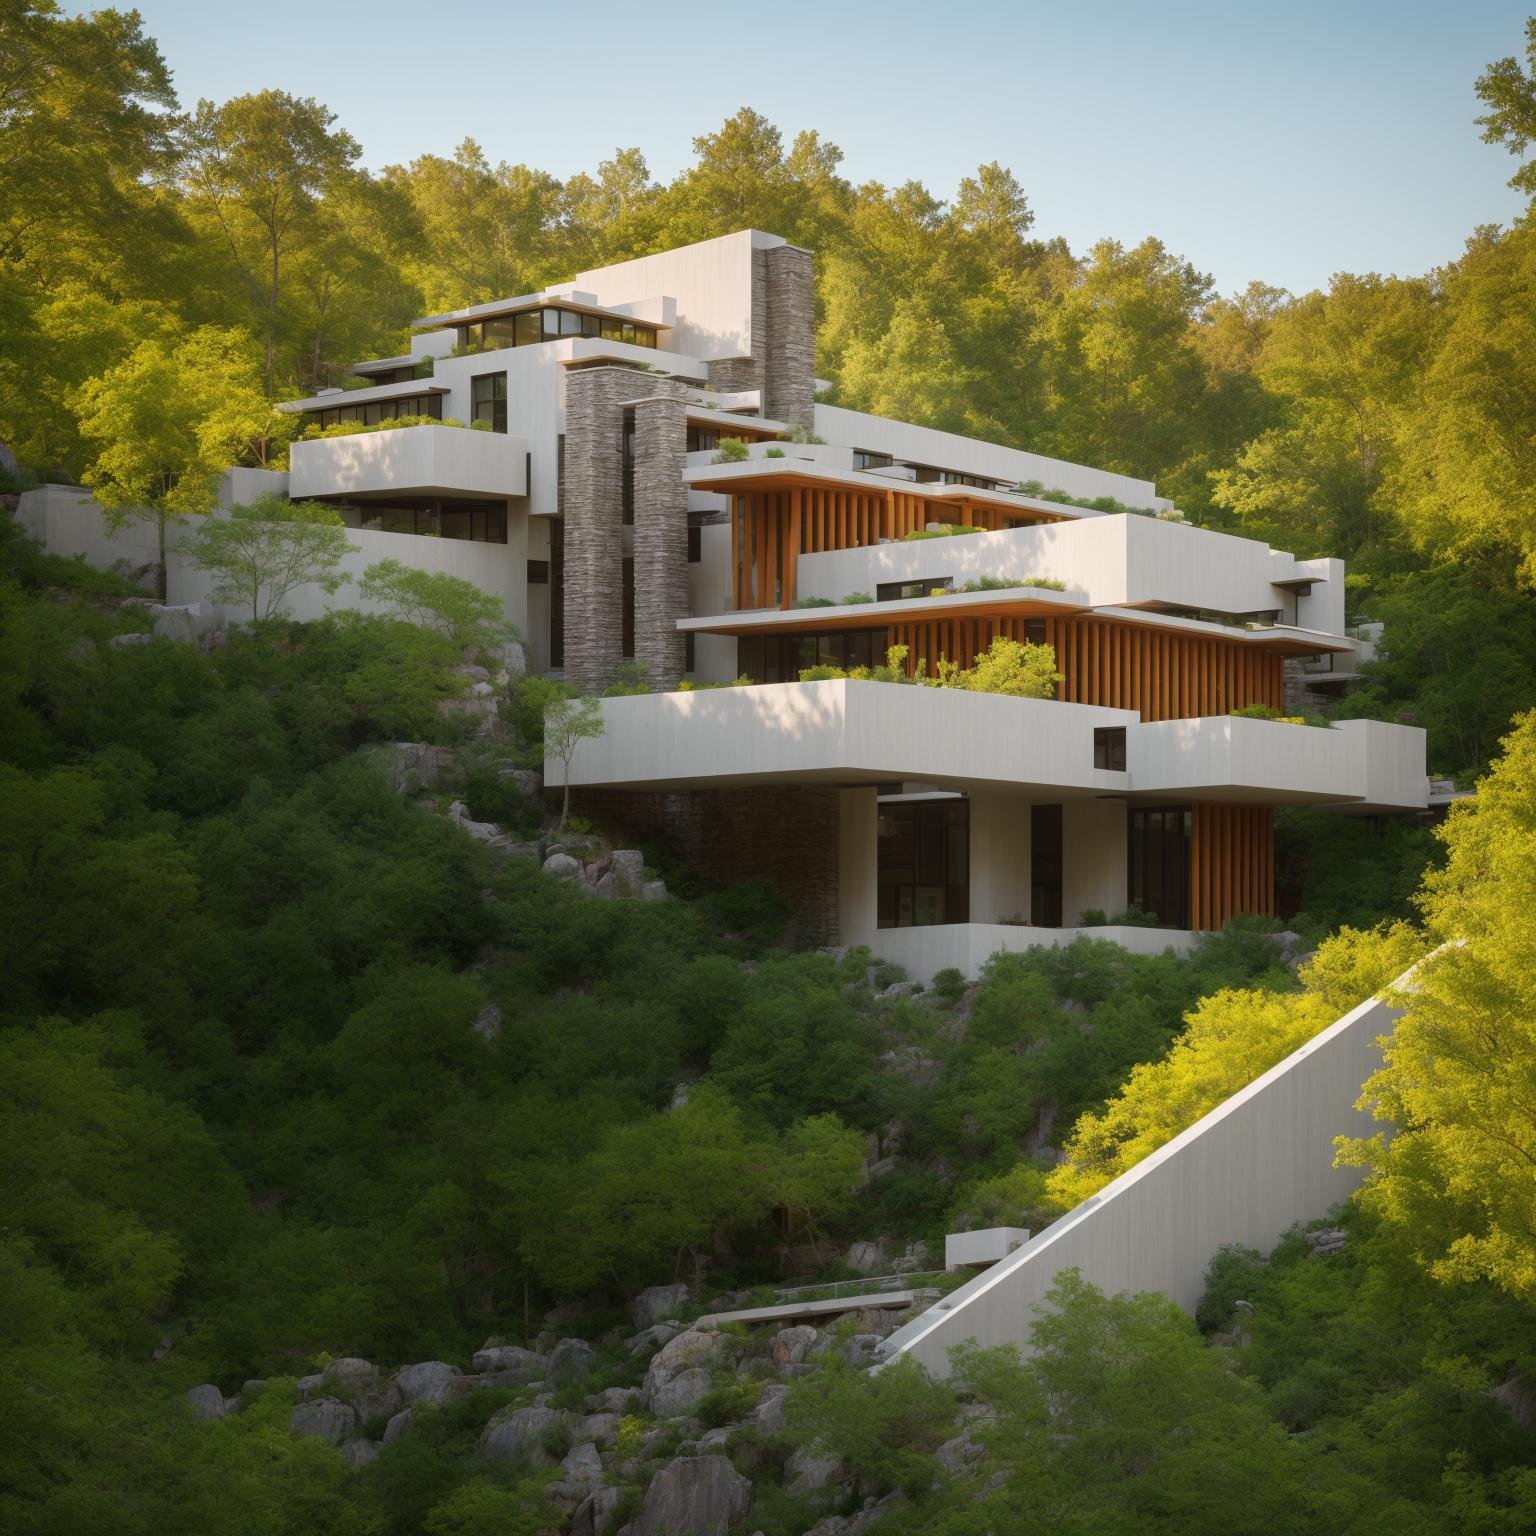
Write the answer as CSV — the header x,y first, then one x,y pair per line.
x,y
518,1433
695,1496
207,1401
658,1302
324,1418
430,1381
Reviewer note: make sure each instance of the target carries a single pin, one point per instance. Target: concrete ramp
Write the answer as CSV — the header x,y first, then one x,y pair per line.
x,y
1250,1169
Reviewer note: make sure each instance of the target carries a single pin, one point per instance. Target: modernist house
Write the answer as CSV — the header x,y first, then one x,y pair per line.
x,y
937,825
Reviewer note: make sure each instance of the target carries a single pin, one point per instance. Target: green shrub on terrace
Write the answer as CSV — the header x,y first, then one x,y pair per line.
x,y
774,453
1264,712
815,602
799,434
851,599
1017,669
1043,492
731,450
943,531
1007,583
352,428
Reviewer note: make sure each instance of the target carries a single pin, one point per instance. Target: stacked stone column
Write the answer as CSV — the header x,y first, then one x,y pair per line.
x,y
789,371
661,536
593,502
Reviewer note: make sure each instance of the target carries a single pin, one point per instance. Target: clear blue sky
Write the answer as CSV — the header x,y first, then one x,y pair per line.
x,y
1260,140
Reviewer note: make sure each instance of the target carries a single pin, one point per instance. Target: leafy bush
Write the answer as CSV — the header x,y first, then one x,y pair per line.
x,y
352,428
943,531
854,598
949,983
773,453
731,450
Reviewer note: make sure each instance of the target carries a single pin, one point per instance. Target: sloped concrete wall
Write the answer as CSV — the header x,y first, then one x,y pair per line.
x,y
1250,1169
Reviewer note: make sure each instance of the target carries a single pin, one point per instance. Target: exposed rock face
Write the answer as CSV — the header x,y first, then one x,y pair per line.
x,y
768,1417
358,1454
679,1394
518,1433
695,1349
807,1473
481,831
429,1381
627,865
657,1302
512,1365
324,1418
791,1345
570,1362
694,1496
594,1516
349,1374
398,1426
562,866
529,781
176,623
415,767
207,1401
866,1258
652,1338
487,1022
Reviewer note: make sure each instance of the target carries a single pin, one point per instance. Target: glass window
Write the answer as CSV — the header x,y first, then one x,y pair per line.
x,y
1109,748
501,331
488,394
923,862
570,322
863,459
1159,863
526,328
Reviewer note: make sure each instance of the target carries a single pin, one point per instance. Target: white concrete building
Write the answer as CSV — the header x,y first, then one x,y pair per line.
x,y
586,485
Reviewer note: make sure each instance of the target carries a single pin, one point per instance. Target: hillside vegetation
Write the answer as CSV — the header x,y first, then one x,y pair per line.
x,y
301,1084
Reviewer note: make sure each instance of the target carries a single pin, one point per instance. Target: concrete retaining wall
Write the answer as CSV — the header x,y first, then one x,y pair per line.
x,y
1249,1170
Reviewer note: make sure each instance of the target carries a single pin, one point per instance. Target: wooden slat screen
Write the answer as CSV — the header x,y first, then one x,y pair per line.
x,y
1231,862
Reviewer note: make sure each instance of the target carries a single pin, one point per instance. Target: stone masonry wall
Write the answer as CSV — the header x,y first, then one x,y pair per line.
x,y
789,380
594,524
661,534
592,496
787,838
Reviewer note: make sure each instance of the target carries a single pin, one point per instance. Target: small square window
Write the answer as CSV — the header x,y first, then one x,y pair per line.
x,y
1109,748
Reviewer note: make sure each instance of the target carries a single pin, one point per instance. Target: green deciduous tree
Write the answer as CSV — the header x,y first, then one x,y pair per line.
x,y
568,722
267,549
467,615
167,421
1509,93
1458,1083
259,171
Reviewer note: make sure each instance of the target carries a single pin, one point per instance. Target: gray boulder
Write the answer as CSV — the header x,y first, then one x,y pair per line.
x,y
679,1394
583,1466
122,642
694,1349
862,1349
791,1345
866,1258
481,831
651,1339
616,1400
518,1433
323,1419
529,781
350,1375
653,890
180,622
487,1022
415,767
595,1514
957,1454
600,1428
806,1473
516,1366
570,1362
628,866
767,1417
207,1401
694,1496
307,1386
398,1425
429,1381
358,1454
563,867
